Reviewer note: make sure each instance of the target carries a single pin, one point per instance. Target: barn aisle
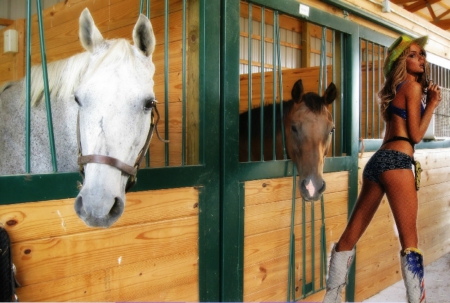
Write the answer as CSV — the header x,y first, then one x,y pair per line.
x,y
437,284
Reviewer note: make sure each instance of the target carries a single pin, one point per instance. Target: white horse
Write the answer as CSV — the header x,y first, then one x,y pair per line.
x,y
110,89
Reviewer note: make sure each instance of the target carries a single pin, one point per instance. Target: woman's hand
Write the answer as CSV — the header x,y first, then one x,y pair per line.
x,y
433,94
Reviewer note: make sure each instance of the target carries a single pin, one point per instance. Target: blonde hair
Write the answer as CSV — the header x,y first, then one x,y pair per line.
x,y
396,76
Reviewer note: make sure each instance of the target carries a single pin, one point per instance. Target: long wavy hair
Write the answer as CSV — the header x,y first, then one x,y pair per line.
x,y
396,76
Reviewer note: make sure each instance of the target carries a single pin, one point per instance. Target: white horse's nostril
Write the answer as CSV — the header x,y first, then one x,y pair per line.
x,y
94,220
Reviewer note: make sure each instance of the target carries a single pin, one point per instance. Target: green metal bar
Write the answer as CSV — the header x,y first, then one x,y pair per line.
x,y
303,248
373,90
291,268
141,7
322,58
274,88
250,80
333,106
313,246
27,92
263,47
51,136
183,89
379,85
280,87
166,80
148,9
323,246
367,90
342,136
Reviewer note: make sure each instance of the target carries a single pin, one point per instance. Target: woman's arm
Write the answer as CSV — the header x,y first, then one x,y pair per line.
x,y
416,123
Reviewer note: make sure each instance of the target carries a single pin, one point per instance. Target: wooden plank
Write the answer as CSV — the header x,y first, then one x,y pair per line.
x,y
309,76
278,189
278,214
24,221
159,279
6,22
59,257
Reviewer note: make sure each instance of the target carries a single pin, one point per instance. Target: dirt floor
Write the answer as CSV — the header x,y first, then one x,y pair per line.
x,y
437,285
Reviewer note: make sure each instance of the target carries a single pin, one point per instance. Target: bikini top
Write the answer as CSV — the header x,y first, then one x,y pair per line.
x,y
401,112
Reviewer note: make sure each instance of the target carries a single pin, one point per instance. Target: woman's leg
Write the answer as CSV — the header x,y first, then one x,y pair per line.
x,y
344,251
402,196
366,205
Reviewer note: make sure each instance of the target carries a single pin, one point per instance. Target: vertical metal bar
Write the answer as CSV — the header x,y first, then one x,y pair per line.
x,y
274,87
250,79
342,112
323,245
141,7
313,247
183,89
166,79
263,46
280,89
379,86
291,268
303,247
27,92
373,90
367,90
46,89
333,77
148,9
322,52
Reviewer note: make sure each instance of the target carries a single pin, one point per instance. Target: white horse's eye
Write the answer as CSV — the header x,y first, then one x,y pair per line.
x,y
77,100
149,104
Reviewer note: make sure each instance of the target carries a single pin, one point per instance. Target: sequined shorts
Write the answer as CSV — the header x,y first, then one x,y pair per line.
x,y
384,160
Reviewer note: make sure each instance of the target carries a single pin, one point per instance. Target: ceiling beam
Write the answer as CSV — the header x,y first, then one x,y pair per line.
x,y
418,5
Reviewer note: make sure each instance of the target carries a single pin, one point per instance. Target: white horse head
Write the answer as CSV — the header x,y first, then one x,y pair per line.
x,y
115,99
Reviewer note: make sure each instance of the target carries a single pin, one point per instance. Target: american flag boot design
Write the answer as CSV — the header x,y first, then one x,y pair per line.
x,y
413,273
337,275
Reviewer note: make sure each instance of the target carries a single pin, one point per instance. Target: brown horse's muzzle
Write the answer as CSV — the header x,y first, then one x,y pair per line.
x,y
312,189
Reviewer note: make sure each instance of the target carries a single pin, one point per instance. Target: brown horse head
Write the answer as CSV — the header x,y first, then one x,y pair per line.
x,y
309,127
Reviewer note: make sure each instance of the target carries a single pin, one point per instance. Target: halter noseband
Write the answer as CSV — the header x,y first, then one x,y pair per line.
x,y
129,170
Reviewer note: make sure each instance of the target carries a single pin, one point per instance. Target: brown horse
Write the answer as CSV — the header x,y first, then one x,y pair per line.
x,y
308,129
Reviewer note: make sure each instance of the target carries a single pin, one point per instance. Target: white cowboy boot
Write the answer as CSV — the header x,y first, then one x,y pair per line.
x,y
337,275
413,271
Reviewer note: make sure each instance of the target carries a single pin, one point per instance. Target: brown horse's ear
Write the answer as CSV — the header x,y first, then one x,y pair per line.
x,y
330,94
297,91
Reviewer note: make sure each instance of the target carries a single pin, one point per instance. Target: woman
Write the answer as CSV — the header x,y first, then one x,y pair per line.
x,y
389,169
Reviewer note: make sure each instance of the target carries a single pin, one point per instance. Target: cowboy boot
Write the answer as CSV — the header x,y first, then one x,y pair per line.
x,y
337,275
413,271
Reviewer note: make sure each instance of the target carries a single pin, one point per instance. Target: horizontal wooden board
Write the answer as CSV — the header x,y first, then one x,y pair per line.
x,y
24,221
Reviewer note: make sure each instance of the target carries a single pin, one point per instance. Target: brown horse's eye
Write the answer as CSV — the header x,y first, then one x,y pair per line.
x,y
332,130
77,100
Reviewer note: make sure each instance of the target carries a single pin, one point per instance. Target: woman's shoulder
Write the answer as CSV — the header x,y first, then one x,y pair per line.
x,y
412,89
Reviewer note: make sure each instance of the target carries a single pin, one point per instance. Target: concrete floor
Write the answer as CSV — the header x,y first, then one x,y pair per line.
x,y
437,285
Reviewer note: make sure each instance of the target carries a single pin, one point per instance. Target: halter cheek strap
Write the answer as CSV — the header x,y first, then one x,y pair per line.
x,y
129,170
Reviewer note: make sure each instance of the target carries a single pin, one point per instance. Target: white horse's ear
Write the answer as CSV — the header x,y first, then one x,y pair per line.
x,y
89,34
143,36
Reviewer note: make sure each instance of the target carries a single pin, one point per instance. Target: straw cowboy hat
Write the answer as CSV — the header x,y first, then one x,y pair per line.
x,y
398,47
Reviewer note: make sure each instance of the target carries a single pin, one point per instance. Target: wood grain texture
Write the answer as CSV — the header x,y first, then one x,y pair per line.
x,y
150,254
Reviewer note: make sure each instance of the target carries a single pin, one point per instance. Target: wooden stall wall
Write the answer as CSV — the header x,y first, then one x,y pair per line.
x,y
150,254
12,65
268,205
114,19
378,261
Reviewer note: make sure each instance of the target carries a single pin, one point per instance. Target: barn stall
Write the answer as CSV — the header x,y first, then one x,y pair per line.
x,y
200,225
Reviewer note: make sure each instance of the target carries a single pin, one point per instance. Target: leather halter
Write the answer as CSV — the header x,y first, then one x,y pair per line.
x,y
126,169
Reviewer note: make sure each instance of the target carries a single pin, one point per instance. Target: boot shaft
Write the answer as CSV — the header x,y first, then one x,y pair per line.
x,y
413,275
